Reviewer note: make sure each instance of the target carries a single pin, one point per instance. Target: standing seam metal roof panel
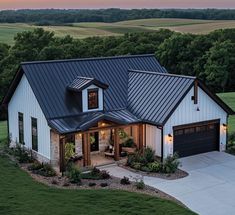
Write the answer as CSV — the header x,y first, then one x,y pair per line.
x,y
49,80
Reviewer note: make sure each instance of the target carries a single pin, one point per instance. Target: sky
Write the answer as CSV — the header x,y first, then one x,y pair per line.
x,y
37,4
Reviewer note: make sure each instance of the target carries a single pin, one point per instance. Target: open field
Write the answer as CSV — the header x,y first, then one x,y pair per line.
x,y
83,30
229,98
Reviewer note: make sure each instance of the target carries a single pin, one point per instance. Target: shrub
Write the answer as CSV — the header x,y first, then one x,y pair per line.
x,y
66,184
74,175
231,143
129,143
140,185
145,169
95,171
48,170
136,165
171,164
104,184
155,166
104,174
149,154
125,181
35,166
54,182
92,184
23,155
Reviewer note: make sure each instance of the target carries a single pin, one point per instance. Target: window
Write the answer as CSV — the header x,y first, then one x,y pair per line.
x,y
179,132
34,134
21,127
189,130
200,128
93,99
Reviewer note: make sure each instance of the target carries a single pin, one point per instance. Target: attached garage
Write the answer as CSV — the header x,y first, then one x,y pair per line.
x,y
192,139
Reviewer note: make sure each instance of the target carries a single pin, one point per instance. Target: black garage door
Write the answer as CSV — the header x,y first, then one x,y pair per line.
x,y
196,138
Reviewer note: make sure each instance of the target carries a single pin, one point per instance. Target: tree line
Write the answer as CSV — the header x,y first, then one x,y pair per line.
x,y
56,16
209,57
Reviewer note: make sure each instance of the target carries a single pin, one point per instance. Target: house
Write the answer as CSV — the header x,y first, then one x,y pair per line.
x,y
92,102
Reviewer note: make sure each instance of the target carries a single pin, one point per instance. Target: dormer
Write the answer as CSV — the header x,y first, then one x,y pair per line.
x,y
91,93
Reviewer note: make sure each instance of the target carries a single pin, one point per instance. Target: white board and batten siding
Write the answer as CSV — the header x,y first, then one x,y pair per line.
x,y
187,113
24,101
153,139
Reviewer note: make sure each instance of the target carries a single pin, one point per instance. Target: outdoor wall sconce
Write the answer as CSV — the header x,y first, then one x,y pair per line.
x,y
198,109
103,124
225,127
102,134
170,137
80,135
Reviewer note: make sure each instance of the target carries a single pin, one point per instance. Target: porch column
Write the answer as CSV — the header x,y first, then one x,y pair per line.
x,y
87,149
141,136
116,145
62,154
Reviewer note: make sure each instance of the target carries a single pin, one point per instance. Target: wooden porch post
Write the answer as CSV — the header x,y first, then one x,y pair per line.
x,y
87,150
116,145
62,154
141,136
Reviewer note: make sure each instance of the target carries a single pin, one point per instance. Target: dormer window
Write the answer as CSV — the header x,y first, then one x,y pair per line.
x,y
93,99
90,92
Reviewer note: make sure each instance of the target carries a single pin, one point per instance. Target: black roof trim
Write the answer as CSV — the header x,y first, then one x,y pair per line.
x,y
86,59
159,73
81,83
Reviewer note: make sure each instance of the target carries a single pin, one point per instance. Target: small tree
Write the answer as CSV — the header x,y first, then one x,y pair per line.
x,y
69,151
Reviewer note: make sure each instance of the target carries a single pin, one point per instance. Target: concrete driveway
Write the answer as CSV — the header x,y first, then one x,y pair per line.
x,y
208,190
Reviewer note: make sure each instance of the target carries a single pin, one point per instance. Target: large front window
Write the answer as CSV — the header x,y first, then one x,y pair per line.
x,y
21,127
93,99
34,134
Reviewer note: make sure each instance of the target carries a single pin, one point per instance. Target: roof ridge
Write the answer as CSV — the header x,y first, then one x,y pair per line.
x,y
86,59
160,73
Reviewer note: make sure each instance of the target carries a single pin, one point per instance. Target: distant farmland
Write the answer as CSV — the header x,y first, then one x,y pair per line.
x,y
83,30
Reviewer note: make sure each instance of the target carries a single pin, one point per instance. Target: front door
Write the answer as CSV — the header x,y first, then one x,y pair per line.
x,y
94,140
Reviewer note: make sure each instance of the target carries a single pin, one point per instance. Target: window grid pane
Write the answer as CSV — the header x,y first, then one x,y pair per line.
x,y
93,99
34,134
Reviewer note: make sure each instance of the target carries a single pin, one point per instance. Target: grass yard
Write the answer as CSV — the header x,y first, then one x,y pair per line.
x,y
3,130
21,195
83,30
229,98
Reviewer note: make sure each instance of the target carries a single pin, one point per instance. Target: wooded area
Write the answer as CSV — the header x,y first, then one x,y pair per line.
x,y
210,57
56,16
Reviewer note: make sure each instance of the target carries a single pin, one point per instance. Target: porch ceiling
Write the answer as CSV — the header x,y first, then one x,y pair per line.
x,y
85,121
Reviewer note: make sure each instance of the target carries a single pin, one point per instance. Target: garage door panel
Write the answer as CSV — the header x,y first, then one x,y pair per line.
x,y
196,139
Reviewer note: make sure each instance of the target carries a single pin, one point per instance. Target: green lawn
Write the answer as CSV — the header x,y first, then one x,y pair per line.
x,y
21,195
229,98
3,130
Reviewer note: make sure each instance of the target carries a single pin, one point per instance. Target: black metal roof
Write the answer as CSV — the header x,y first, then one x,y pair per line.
x,y
49,80
80,83
84,121
152,96
139,90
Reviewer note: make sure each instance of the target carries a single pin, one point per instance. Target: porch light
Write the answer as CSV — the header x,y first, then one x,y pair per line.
x,y
80,135
103,124
170,137
225,127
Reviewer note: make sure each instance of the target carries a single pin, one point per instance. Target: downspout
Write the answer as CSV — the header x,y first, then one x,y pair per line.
x,y
8,129
162,145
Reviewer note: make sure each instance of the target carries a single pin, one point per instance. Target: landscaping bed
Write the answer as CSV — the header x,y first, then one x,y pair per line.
x,y
145,162
168,176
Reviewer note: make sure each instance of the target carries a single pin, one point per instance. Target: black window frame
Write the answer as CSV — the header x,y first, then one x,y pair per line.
x,y
21,127
96,91
34,125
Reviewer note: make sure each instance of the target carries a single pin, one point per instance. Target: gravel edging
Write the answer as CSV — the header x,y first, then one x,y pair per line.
x,y
172,176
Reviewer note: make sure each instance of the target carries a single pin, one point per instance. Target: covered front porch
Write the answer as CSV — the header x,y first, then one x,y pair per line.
x,y
103,143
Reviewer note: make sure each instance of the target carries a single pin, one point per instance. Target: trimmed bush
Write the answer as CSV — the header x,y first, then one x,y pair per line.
x,y
74,175
140,185
231,144
145,169
149,155
104,174
96,174
92,184
125,181
171,164
155,166
104,184
23,155
35,166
